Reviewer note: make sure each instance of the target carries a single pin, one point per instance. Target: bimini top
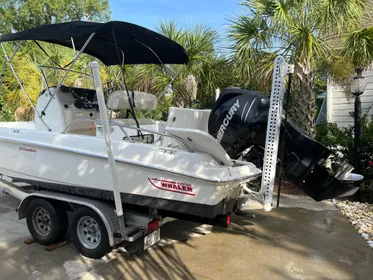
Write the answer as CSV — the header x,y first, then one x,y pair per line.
x,y
138,44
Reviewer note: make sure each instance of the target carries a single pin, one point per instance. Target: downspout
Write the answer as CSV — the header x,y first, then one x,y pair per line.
x,y
329,92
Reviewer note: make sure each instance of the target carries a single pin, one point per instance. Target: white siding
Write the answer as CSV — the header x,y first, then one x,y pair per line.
x,y
340,107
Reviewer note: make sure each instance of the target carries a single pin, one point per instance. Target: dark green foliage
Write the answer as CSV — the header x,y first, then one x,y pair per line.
x,y
23,14
341,142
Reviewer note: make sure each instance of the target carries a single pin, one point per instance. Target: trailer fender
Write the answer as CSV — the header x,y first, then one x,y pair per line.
x,y
104,210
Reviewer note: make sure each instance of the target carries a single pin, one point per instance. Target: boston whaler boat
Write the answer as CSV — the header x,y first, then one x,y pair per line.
x,y
195,166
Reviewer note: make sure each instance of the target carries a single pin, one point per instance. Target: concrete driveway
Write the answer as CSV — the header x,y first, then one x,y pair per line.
x,y
287,243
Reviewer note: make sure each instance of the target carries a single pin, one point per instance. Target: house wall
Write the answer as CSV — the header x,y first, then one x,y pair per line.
x,y
339,107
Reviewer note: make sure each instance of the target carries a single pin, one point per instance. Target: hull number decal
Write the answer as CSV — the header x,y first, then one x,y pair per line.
x,y
27,149
172,186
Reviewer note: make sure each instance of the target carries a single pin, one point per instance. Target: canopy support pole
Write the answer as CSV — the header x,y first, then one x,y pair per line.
x,y
45,79
4,64
20,84
16,50
72,63
2,74
109,147
73,44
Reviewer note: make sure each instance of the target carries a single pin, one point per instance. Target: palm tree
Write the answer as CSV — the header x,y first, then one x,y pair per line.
x,y
197,77
300,30
358,48
205,71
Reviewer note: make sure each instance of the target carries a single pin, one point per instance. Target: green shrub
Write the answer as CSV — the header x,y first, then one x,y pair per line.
x,y
341,142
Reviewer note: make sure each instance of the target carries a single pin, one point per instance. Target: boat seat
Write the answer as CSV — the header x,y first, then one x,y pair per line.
x,y
200,141
188,118
118,100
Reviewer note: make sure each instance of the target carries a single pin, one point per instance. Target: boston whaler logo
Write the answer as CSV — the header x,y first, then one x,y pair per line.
x,y
172,186
227,119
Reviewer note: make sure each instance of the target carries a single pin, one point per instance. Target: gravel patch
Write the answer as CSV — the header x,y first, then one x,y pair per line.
x,y
360,216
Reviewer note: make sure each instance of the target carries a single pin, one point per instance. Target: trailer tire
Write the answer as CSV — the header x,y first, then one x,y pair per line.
x,y
89,233
46,222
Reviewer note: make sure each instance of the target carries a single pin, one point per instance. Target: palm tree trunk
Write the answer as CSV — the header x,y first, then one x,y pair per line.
x,y
304,102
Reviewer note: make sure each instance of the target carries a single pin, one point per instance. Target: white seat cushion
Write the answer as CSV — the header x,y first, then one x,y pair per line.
x,y
200,141
118,100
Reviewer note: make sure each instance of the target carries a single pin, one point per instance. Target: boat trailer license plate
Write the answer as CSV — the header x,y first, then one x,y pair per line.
x,y
152,238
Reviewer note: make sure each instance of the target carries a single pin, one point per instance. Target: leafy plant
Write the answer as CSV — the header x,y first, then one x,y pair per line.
x,y
22,14
304,32
341,142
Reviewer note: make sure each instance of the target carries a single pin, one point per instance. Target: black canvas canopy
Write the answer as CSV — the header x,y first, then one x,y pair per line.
x,y
139,45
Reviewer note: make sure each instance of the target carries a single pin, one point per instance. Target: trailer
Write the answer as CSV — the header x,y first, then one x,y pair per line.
x,y
94,225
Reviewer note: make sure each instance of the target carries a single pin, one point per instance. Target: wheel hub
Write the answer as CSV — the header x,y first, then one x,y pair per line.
x,y
89,232
42,221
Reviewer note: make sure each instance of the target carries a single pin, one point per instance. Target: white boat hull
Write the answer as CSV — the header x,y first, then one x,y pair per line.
x,y
78,164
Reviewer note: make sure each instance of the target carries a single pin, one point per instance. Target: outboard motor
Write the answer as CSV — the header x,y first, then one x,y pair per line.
x,y
239,121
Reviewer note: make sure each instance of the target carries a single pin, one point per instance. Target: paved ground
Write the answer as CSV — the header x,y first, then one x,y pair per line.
x,y
293,201
287,243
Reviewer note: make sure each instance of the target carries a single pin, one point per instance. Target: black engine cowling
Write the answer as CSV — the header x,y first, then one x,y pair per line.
x,y
239,121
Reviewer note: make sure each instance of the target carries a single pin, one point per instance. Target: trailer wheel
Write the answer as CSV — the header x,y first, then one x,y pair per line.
x,y
89,233
46,222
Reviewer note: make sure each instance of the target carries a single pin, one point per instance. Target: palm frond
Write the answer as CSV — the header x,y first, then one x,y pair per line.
x,y
358,47
171,30
340,16
200,42
250,32
306,45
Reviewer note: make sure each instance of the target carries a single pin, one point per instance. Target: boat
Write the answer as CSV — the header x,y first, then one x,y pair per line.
x,y
64,148
193,164
198,165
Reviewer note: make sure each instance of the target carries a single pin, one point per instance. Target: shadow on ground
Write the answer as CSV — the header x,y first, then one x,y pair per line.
x,y
286,243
